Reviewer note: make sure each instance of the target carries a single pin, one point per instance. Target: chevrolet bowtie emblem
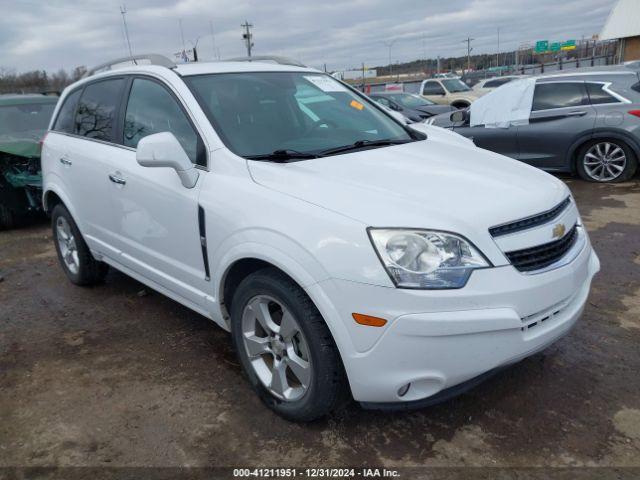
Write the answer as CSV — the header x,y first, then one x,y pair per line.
x,y
558,230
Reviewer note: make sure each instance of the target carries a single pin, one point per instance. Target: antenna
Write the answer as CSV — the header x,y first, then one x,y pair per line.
x,y
123,12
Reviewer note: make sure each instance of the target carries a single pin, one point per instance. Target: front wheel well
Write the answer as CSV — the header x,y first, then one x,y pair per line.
x,y
236,273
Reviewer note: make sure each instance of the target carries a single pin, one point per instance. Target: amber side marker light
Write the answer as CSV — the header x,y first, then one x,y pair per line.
x,y
368,320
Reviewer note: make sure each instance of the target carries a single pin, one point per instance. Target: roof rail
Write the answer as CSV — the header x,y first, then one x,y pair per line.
x,y
272,58
152,58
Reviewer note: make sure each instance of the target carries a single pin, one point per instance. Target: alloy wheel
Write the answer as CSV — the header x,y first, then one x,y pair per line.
x,y
604,161
276,347
67,244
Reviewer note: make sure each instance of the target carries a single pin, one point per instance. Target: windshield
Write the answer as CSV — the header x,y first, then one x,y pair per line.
x,y
259,113
28,121
455,85
411,101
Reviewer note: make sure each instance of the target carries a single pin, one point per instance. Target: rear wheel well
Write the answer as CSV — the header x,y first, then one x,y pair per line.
x,y
51,199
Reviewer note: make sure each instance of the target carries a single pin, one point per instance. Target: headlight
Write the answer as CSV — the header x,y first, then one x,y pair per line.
x,y
426,259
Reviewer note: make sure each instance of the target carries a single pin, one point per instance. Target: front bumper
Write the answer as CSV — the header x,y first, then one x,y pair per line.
x,y
435,340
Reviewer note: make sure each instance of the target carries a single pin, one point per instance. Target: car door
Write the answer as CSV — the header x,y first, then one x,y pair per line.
x,y
559,115
84,156
155,217
434,91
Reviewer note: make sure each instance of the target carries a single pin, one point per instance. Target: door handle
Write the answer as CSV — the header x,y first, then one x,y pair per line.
x,y
117,180
576,114
65,161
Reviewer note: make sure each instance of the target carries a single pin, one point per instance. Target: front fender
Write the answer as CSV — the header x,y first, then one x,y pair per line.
x,y
293,260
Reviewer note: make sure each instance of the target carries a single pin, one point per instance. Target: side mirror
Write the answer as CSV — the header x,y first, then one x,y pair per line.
x,y
164,150
459,116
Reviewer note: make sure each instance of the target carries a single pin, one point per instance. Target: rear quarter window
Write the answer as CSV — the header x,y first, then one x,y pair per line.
x,y
598,96
65,121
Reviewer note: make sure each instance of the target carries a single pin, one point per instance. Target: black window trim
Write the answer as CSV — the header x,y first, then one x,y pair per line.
x,y
585,96
202,150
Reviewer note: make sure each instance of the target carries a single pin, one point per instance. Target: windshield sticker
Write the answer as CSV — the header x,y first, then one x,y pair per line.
x,y
325,83
357,105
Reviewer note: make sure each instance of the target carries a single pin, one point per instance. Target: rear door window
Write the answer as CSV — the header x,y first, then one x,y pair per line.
x,y
97,111
559,95
598,96
65,122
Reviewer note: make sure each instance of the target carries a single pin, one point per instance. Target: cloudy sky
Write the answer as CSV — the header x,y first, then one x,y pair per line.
x,y
53,34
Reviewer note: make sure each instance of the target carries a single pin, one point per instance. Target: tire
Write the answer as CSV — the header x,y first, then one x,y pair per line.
x,y
326,384
6,218
80,266
596,159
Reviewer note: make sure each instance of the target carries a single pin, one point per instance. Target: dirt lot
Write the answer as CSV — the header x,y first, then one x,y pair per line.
x,y
118,376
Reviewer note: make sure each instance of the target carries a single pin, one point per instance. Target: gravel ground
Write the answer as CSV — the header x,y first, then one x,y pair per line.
x,y
120,376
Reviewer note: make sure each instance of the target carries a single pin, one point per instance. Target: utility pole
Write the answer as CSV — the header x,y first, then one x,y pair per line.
x,y
123,12
469,49
247,36
438,65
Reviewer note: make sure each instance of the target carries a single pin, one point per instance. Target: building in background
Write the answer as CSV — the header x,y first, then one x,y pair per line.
x,y
623,25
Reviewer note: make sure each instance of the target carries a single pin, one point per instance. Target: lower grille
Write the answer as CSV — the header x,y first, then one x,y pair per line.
x,y
541,256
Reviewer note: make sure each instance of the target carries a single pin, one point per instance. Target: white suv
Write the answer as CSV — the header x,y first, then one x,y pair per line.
x,y
347,253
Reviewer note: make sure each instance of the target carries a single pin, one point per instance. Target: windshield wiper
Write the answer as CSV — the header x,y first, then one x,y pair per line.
x,y
363,144
281,156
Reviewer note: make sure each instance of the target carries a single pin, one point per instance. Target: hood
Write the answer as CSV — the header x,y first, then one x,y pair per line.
x,y
443,183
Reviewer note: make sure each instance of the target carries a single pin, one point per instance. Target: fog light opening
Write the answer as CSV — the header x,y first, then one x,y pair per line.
x,y
402,391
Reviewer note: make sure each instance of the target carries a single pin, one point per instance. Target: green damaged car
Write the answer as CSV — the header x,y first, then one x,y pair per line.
x,y
23,122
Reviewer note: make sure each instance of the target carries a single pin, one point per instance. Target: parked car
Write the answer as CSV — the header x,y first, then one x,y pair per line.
x,y
488,84
413,107
448,91
23,122
581,122
349,254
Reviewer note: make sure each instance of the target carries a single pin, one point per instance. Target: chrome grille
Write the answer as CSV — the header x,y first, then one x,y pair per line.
x,y
541,256
530,222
